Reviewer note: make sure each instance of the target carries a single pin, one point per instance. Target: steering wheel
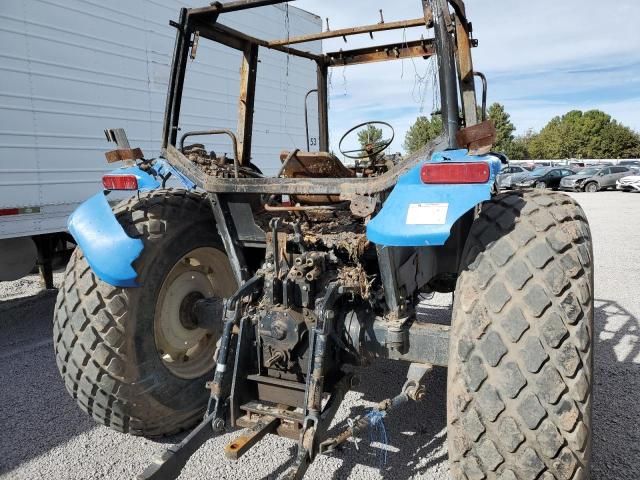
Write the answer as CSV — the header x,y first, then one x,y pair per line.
x,y
371,148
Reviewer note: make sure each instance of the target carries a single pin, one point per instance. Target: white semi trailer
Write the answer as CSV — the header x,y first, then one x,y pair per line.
x,y
70,69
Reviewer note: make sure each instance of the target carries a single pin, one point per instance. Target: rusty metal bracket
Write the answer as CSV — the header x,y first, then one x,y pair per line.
x,y
123,155
241,445
194,45
344,32
415,48
229,133
362,206
478,139
413,389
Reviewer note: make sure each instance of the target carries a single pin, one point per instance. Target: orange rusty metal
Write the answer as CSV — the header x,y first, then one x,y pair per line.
x,y
314,165
248,71
478,139
123,155
383,53
344,32
238,447
465,73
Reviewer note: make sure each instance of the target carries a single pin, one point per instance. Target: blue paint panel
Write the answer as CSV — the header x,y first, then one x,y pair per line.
x,y
109,251
163,168
152,179
389,227
145,180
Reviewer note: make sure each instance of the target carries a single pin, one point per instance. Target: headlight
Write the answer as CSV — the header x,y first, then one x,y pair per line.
x,y
580,180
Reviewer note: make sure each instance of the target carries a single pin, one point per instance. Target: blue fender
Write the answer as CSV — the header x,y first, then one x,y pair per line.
x,y
418,215
109,251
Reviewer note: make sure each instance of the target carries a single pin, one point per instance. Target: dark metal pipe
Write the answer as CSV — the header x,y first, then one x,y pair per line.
x,y
234,142
306,116
446,68
174,90
298,208
275,223
231,318
323,109
484,93
218,29
292,154
377,27
234,6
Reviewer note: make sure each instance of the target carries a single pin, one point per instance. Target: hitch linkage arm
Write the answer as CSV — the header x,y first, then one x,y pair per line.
x,y
413,389
169,464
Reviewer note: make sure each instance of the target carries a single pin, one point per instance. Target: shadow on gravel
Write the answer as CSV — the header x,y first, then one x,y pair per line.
x,y
616,407
37,414
416,434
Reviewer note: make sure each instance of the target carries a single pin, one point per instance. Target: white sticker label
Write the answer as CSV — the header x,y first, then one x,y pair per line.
x,y
427,213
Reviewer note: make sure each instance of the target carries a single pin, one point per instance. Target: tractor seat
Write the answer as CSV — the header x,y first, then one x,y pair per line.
x,y
313,165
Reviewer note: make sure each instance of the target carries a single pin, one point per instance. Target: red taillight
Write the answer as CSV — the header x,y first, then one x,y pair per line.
x,y
455,172
9,211
120,182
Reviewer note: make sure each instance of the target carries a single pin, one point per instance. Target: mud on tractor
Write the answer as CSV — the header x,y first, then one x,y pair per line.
x,y
248,301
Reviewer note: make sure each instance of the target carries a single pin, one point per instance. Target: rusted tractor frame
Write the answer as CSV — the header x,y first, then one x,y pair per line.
x,y
233,201
454,62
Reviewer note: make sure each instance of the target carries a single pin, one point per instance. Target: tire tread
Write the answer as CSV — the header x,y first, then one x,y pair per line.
x,y
90,318
537,246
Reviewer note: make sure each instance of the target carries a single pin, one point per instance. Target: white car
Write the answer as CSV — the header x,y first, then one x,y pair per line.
x,y
629,184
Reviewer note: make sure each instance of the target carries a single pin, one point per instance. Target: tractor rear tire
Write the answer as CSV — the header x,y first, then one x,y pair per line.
x,y
521,352
111,343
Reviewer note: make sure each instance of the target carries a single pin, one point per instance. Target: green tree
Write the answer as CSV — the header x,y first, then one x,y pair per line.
x,y
422,132
504,126
591,134
519,148
370,135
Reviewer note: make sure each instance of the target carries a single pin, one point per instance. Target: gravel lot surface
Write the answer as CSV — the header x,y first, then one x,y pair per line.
x,y
44,434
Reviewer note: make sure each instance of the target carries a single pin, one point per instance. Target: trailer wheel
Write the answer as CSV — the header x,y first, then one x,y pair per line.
x,y
521,351
133,358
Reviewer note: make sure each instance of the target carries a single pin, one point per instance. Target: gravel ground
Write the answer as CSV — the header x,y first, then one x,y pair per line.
x,y
46,436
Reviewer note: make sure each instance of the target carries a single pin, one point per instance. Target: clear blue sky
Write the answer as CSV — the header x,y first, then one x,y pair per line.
x,y
542,59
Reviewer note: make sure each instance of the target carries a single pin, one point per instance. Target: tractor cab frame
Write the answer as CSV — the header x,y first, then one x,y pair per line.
x,y
452,42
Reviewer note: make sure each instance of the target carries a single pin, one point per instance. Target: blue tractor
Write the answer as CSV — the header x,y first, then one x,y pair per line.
x,y
239,300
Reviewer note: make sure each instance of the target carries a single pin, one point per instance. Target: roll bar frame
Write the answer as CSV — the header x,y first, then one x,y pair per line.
x,y
451,43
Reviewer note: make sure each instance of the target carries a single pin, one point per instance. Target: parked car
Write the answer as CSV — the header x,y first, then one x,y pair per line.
x,y
505,178
629,163
630,183
545,177
594,179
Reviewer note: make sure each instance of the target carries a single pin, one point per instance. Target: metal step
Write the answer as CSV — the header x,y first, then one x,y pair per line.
x,y
241,445
290,421
272,411
278,391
